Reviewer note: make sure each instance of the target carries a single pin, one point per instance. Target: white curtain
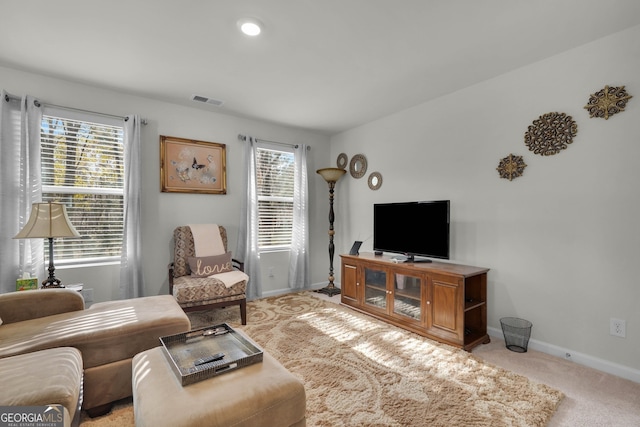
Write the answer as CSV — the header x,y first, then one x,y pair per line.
x,y
20,178
131,277
248,232
299,257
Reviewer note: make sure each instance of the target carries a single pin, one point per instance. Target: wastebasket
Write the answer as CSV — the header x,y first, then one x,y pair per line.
x,y
516,333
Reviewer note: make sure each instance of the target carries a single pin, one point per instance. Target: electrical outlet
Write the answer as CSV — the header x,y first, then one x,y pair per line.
x,y
271,272
618,327
88,295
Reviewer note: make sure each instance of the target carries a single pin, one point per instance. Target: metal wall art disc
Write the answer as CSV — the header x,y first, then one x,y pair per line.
x,y
511,167
607,102
342,160
550,133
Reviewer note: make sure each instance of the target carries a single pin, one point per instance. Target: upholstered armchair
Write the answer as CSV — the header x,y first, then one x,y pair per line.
x,y
195,293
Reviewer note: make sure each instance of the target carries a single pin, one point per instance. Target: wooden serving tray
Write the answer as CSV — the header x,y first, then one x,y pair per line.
x,y
183,350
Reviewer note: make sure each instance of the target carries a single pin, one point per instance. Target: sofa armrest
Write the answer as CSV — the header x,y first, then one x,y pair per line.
x,y
25,305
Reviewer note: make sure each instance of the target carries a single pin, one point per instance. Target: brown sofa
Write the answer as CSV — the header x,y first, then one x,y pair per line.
x,y
107,334
58,375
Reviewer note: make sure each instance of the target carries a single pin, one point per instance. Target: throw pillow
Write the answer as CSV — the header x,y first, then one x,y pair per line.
x,y
208,265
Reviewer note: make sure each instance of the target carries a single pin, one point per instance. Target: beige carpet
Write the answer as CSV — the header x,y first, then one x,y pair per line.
x,y
358,371
592,398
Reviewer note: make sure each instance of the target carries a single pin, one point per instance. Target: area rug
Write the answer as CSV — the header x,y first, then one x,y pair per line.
x,y
359,371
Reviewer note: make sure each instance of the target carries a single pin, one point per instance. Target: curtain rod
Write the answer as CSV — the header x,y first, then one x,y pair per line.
x,y
244,138
38,104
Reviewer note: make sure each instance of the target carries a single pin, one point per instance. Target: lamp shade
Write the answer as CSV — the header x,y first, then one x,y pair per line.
x,y
47,220
331,174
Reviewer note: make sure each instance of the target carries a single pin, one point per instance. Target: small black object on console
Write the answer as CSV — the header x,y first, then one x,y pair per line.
x,y
355,248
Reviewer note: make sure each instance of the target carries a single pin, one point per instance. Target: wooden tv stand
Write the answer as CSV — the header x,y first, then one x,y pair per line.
x,y
442,301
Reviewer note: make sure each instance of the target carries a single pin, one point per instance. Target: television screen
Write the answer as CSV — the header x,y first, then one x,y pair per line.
x,y
412,228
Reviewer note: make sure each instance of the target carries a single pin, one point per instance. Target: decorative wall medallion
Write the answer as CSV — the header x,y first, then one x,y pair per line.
x,y
342,161
607,102
358,166
375,180
550,133
511,167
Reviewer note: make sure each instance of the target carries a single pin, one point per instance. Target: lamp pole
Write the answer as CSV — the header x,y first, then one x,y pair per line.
x,y
331,245
331,175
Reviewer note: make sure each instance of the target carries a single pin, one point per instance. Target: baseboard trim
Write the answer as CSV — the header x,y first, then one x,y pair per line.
x,y
278,292
580,358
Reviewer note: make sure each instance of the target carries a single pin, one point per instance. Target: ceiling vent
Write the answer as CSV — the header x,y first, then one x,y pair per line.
x,y
206,100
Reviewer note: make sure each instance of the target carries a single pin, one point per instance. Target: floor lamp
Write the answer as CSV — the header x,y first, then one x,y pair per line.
x,y
331,175
48,220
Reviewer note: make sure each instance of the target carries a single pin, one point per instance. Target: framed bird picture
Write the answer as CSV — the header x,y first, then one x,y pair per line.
x,y
189,166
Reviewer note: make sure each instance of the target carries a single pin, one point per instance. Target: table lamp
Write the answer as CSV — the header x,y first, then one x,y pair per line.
x,y
48,220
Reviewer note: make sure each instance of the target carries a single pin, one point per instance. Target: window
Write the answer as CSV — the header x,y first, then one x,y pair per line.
x,y
274,174
83,168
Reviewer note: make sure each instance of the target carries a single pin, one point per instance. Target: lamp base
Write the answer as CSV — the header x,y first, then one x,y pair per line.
x,y
330,290
52,282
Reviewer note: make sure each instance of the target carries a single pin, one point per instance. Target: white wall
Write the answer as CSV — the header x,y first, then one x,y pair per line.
x,y
162,212
563,241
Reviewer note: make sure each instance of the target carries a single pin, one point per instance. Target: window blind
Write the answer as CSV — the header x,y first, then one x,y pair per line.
x,y
274,174
83,168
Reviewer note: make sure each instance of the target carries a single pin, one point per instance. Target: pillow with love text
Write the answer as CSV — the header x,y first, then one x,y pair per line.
x,y
209,265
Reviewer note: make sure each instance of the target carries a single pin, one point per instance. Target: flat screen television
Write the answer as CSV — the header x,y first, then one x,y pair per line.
x,y
412,229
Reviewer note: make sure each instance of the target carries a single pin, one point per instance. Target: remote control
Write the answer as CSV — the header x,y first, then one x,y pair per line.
x,y
213,358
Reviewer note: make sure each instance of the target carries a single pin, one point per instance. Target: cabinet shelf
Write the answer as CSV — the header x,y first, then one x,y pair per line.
x,y
376,301
473,336
376,286
470,305
408,307
411,294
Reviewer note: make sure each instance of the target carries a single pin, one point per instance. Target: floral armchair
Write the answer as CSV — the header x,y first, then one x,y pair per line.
x,y
195,292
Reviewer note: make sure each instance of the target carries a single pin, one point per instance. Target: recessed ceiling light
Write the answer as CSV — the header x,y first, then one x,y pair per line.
x,y
250,26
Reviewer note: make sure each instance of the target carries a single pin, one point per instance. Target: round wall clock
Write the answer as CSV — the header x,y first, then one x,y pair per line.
x,y
550,133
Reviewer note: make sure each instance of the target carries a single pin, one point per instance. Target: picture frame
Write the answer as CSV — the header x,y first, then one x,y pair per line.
x,y
191,166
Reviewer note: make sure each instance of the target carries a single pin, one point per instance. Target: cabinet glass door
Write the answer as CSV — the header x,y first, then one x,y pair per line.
x,y
407,296
375,288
